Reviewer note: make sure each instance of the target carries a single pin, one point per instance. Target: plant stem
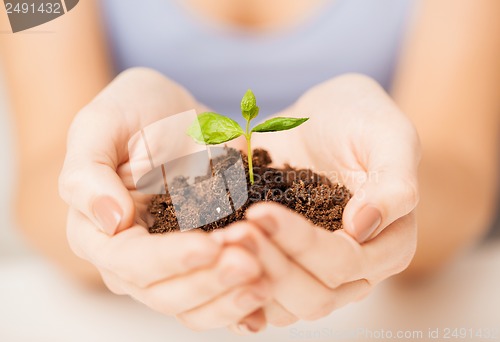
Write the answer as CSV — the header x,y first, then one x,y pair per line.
x,y
248,136
250,162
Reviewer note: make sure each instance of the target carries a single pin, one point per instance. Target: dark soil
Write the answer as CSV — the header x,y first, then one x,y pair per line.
x,y
312,195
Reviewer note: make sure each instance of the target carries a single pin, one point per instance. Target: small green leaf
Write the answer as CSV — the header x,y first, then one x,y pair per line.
x,y
279,124
212,129
249,108
251,114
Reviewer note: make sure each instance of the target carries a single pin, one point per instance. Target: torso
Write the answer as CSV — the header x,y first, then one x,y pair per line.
x,y
219,59
258,15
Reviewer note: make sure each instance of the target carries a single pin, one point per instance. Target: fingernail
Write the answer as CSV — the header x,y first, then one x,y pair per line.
x,y
249,244
245,329
267,223
249,300
366,222
108,214
261,290
239,236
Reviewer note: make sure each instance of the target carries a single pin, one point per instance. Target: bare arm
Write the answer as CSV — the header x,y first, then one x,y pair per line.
x,y
449,83
50,76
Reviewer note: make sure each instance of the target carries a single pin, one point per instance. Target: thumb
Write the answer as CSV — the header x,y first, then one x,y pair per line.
x,y
381,200
98,192
89,182
98,143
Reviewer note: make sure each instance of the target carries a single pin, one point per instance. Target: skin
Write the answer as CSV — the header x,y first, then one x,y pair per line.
x,y
336,269
196,295
180,274
42,122
257,15
465,75
451,95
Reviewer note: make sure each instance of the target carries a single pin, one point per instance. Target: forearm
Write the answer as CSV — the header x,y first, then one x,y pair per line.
x,y
457,205
448,83
458,183
41,217
49,77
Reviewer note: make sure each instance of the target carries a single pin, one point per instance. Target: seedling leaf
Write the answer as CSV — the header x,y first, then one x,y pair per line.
x,y
212,129
249,108
278,124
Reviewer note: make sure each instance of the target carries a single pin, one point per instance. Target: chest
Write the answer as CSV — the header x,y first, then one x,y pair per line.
x,y
219,63
254,14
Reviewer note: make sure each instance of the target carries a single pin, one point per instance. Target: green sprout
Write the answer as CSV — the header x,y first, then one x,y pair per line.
x,y
213,129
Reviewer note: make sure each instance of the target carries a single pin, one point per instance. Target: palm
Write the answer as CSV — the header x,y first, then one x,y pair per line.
x,y
337,156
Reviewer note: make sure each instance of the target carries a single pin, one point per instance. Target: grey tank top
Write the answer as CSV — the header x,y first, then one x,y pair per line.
x,y
219,63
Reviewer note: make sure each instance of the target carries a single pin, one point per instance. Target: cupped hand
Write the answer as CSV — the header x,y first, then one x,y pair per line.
x,y
357,136
188,275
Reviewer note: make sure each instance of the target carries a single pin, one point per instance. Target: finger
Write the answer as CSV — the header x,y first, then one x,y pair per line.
x,y
287,278
377,142
229,308
112,282
251,324
97,190
310,246
391,251
98,144
278,316
235,268
333,258
378,203
390,188
137,256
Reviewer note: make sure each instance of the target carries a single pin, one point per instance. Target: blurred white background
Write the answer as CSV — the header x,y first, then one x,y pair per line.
x,y
38,304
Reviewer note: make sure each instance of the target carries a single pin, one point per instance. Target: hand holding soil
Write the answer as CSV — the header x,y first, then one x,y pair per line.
x,y
276,261
312,195
358,136
187,275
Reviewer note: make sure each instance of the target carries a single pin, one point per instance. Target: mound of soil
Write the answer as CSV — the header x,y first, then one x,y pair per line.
x,y
312,195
